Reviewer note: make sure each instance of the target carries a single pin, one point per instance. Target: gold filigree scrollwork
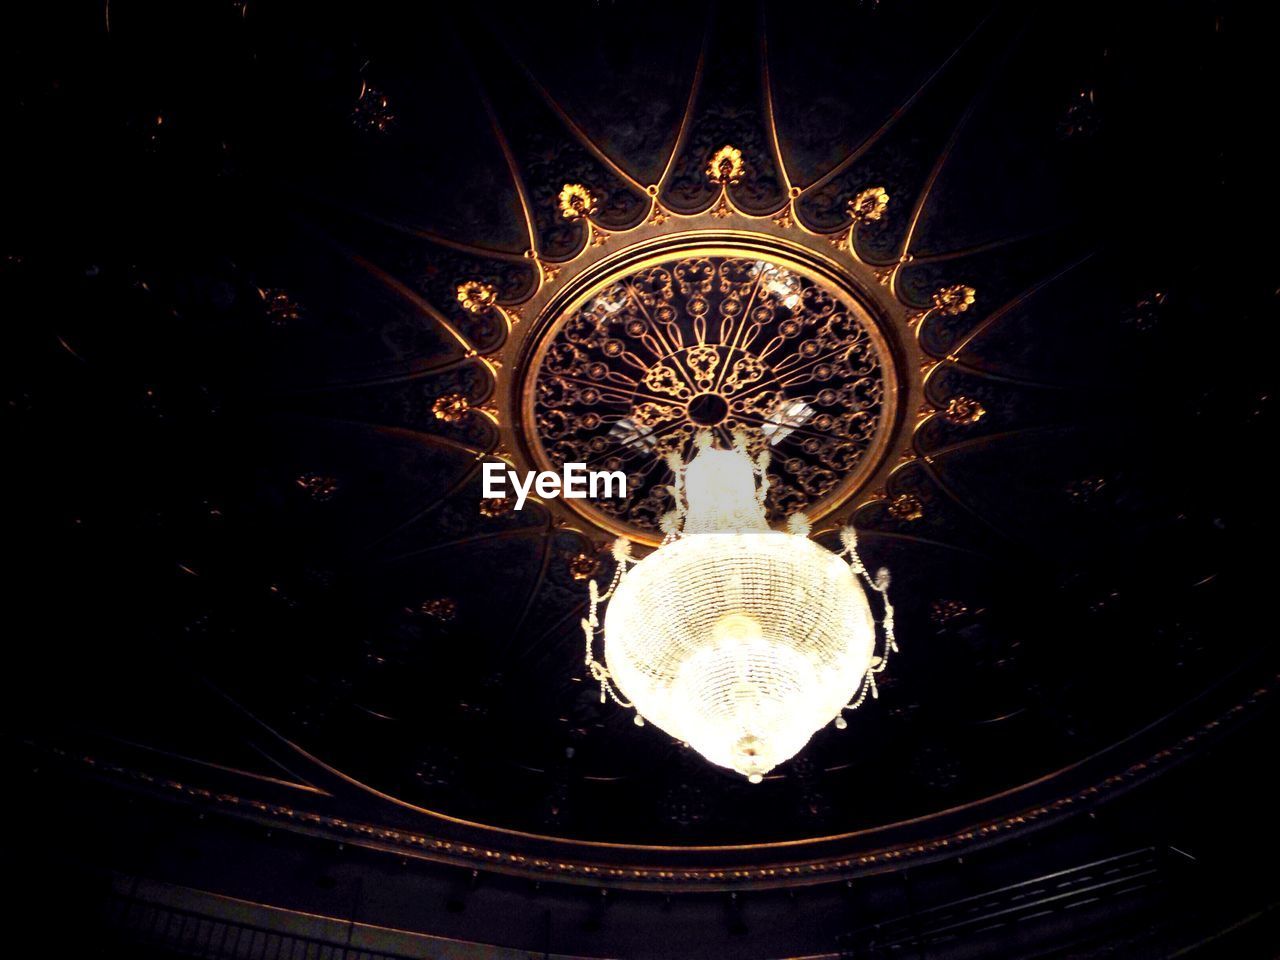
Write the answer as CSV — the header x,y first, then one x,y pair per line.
x,y
745,371
702,361
649,414
664,379
717,344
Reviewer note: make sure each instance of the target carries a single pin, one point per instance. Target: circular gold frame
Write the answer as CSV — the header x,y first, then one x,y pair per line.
x,y
829,259
637,257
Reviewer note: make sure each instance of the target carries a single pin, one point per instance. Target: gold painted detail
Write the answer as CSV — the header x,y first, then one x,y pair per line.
x,y
280,308
1147,312
726,167
582,566
1080,119
476,296
906,506
451,407
372,111
439,609
319,487
964,411
954,300
496,506
576,202
868,205
1086,490
942,612
549,270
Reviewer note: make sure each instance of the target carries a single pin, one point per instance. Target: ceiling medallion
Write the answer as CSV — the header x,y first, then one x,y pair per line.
x,y
717,321
705,340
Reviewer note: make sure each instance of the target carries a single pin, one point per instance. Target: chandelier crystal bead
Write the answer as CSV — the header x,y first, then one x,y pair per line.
x,y
734,638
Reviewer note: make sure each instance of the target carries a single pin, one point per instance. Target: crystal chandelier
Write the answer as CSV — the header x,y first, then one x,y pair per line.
x,y
738,640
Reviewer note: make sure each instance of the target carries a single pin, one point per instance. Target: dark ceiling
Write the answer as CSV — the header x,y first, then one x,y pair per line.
x,y
250,559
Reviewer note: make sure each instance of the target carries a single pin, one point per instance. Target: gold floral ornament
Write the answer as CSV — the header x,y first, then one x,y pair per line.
x,y
280,308
942,612
496,506
576,202
439,609
583,566
372,111
726,166
318,486
1085,490
964,411
451,407
954,300
869,205
476,296
1147,312
906,506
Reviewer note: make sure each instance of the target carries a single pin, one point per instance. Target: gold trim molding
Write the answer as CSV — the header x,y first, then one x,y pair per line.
x,y
767,865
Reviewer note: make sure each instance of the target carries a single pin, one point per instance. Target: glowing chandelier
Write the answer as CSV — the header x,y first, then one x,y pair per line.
x,y
736,639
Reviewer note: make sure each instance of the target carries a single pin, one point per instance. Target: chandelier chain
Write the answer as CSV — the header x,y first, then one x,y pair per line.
x,y
599,672
879,584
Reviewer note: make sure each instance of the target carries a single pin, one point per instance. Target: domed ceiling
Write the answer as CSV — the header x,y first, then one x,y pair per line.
x,y
959,265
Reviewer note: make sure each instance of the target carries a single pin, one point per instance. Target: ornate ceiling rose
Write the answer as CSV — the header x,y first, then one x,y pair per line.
x,y
716,320
710,339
